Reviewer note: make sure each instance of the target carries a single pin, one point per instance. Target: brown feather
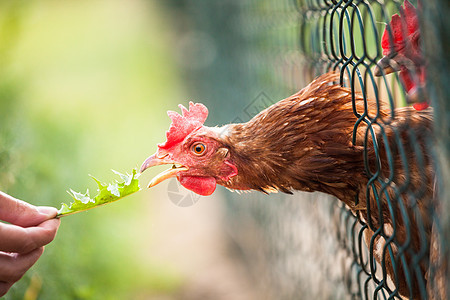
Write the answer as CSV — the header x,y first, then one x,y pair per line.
x,y
304,143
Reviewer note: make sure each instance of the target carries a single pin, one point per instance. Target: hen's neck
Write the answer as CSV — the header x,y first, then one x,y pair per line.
x,y
297,146
303,142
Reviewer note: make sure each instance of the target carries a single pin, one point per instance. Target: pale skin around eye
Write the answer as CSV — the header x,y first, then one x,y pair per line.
x,y
23,234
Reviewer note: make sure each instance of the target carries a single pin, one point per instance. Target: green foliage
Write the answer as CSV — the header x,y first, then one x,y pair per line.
x,y
84,87
107,193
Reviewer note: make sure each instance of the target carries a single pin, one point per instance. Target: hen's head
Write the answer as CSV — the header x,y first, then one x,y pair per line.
x,y
199,159
401,49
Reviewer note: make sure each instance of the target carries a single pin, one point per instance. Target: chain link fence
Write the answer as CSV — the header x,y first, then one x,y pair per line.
x,y
311,246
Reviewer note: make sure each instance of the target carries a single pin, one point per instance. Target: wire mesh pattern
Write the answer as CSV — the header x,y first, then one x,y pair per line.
x,y
382,252
389,243
387,263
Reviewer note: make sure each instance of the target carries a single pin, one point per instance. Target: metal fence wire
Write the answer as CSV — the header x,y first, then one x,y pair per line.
x,y
394,246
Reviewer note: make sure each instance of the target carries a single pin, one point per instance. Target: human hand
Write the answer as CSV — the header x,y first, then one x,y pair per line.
x,y
22,240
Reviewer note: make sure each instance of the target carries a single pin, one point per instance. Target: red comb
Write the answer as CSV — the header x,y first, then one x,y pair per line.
x,y
397,24
182,125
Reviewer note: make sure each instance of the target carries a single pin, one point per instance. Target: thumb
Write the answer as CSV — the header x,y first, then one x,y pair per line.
x,y
20,213
47,211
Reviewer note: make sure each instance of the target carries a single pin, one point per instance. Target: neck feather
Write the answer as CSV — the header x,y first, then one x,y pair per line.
x,y
300,143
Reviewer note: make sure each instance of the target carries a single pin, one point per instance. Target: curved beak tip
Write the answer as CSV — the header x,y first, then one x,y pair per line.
x,y
153,182
149,162
143,167
387,64
154,160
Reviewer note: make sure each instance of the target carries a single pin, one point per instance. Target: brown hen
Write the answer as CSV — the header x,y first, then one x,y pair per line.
x,y
307,142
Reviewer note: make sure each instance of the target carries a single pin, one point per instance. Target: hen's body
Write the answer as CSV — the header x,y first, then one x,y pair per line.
x,y
308,147
305,143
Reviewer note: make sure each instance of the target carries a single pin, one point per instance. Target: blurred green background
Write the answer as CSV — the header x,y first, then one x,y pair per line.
x,y
84,88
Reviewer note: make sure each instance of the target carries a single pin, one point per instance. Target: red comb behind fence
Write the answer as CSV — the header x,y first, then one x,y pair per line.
x,y
406,20
183,125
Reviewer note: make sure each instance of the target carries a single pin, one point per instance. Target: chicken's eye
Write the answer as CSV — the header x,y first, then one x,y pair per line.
x,y
198,148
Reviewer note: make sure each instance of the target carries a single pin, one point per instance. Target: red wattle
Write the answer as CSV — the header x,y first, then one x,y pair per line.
x,y
406,80
421,105
204,186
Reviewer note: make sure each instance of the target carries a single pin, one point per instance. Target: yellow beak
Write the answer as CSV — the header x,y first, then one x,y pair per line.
x,y
154,160
388,64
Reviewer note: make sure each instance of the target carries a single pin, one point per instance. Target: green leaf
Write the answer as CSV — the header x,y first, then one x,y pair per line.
x,y
106,193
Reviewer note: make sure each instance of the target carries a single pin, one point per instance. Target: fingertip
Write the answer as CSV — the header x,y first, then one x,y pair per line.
x,y
51,226
48,211
36,253
56,223
40,251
